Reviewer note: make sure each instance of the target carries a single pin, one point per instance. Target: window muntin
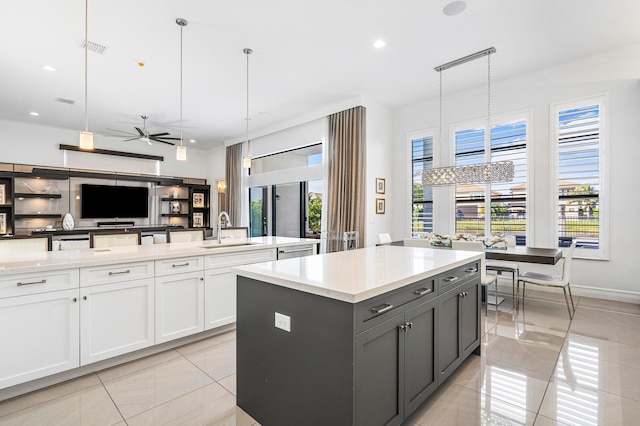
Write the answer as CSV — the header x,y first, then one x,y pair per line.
x,y
421,196
579,145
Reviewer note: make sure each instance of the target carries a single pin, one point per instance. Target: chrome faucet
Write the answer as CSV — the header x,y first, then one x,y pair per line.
x,y
228,223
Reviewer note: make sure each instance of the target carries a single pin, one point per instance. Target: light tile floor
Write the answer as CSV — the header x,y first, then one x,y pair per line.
x,y
537,368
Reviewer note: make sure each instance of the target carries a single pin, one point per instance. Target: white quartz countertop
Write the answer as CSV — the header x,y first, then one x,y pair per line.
x,y
53,260
356,275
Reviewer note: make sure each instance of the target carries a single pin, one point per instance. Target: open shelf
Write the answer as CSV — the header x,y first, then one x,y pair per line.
x,y
175,214
174,199
35,195
38,216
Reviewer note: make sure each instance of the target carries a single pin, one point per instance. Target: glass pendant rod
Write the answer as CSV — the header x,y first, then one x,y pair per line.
x,y
181,151
246,160
86,50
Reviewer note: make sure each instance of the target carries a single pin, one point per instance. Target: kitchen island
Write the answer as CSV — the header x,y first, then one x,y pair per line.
x,y
357,337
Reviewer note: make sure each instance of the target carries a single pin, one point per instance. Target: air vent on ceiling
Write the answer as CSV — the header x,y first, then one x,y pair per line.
x,y
65,101
94,47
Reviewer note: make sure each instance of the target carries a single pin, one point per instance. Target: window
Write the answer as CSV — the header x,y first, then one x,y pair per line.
x,y
299,157
422,196
508,200
579,146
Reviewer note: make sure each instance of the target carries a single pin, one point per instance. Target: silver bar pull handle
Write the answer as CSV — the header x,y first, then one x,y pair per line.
x,y
469,270
423,291
450,279
33,282
128,271
295,251
180,265
382,308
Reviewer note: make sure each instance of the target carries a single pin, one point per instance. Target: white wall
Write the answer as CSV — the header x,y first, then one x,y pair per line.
x,y
616,75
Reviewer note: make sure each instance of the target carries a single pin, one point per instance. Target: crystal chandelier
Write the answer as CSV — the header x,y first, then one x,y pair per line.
x,y
501,171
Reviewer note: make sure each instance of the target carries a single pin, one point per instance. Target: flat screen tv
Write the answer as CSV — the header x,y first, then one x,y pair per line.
x,y
108,201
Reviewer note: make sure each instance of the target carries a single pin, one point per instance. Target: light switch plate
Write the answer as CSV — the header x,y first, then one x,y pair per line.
x,y
283,322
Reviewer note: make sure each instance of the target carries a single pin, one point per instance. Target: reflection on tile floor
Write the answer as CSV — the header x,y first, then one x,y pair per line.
x,y
537,368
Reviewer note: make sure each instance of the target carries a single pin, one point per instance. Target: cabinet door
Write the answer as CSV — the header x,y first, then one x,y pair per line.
x,y
220,298
379,389
420,349
449,316
115,319
179,305
470,324
39,335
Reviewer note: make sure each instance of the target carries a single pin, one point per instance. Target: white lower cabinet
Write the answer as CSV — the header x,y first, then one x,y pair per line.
x,y
116,319
179,305
220,298
38,335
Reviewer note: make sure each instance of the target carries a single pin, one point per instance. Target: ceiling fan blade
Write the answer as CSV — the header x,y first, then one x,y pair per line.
x,y
120,131
161,141
170,139
159,134
139,131
132,139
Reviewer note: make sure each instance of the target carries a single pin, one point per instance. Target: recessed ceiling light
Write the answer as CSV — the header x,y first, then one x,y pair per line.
x,y
454,8
48,68
192,140
35,114
379,44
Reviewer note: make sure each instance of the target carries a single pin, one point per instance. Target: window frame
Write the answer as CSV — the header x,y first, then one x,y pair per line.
x,y
602,252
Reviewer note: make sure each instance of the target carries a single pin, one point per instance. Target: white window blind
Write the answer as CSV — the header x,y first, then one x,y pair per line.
x,y
507,200
422,196
579,152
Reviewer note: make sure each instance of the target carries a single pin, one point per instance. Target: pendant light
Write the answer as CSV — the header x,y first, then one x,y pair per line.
x,y
86,137
246,160
181,151
500,171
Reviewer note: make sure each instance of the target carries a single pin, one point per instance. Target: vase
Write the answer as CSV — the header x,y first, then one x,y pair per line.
x,y
67,222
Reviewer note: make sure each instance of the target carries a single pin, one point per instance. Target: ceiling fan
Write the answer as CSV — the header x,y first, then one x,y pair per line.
x,y
144,136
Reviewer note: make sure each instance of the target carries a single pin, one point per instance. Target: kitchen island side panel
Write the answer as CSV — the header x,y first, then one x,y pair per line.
x,y
304,376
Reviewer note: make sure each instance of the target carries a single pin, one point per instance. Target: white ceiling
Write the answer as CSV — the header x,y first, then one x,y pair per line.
x,y
307,55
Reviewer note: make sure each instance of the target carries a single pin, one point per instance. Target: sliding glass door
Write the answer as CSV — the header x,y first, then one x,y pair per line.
x,y
258,215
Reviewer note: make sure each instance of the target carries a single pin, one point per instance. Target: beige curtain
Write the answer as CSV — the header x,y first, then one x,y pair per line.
x,y
233,177
346,159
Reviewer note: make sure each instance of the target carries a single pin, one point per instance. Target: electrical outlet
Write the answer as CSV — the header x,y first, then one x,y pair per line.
x,y
283,322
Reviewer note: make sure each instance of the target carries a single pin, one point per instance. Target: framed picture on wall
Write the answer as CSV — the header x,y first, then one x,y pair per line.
x,y
380,186
2,195
380,205
198,199
3,223
198,220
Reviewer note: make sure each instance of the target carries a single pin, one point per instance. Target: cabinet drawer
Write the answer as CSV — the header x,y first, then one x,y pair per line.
x,y
97,275
179,265
38,282
373,311
457,276
243,258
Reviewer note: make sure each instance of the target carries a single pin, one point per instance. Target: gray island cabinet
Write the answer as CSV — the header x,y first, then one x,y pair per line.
x,y
359,337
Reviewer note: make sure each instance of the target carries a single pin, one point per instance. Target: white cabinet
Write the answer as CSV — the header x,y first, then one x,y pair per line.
x,y
220,284
39,335
179,305
115,319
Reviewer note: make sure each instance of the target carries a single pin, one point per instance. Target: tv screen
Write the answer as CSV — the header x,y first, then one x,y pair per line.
x,y
107,201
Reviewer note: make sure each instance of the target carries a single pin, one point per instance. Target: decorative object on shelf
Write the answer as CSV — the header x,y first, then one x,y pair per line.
x,y
181,151
502,171
3,223
2,194
198,200
30,188
86,137
246,160
175,207
198,220
175,193
380,204
380,186
67,222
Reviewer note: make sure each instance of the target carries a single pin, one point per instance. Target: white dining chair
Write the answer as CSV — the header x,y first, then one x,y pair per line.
x,y
384,238
109,239
485,279
500,267
551,281
185,235
24,244
416,242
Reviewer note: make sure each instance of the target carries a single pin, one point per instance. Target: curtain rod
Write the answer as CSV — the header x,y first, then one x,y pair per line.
x,y
468,58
